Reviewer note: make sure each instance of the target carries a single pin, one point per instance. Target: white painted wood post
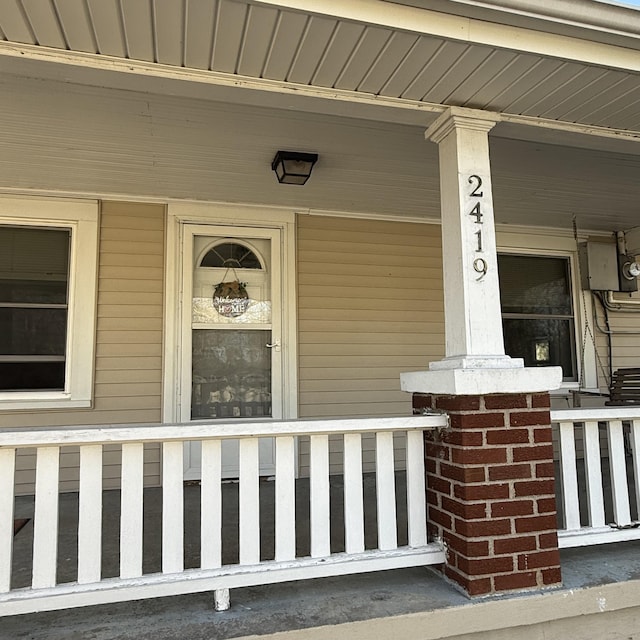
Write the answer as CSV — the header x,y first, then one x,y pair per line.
x,y
470,269
249,497
172,507
90,514
475,362
386,492
7,479
131,513
221,599
320,524
285,526
45,519
211,505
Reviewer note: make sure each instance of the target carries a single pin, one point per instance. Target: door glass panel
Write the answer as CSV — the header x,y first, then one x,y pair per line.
x,y
232,290
231,318
231,374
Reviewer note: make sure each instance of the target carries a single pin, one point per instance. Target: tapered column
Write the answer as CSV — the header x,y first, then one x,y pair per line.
x,y
471,288
475,361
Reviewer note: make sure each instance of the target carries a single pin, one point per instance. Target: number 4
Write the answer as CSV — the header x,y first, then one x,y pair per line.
x,y
477,213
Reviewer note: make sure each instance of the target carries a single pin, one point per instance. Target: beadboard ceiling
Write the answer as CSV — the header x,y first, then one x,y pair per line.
x,y
244,39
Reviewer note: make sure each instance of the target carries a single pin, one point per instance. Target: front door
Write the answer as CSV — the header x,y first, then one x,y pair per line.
x,y
231,334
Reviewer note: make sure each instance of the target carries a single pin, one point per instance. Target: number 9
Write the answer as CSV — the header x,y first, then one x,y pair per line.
x,y
480,266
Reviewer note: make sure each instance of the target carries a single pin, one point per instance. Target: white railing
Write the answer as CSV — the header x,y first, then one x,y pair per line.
x,y
90,586
599,474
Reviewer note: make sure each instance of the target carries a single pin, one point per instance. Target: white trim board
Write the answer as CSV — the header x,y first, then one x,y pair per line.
x,y
181,214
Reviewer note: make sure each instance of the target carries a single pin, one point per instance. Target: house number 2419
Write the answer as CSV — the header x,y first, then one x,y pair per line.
x,y
479,264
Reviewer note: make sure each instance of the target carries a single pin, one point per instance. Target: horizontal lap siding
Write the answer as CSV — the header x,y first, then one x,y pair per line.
x,y
625,340
128,364
370,306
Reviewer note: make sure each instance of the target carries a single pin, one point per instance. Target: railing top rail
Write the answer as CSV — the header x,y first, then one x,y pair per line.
x,y
599,413
203,430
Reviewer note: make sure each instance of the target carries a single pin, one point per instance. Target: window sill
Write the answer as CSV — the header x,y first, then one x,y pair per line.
x,y
38,401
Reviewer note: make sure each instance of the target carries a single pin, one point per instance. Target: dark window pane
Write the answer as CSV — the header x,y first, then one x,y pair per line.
x,y
231,374
27,376
541,342
231,255
37,332
34,265
33,291
534,285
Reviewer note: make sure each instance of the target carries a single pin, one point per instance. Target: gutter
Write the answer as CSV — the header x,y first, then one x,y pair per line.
x,y
605,22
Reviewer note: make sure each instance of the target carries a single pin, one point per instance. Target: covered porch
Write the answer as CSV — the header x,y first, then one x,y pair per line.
x,y
500,252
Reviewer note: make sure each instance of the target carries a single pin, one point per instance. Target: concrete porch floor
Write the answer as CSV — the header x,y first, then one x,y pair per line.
x,y
600,598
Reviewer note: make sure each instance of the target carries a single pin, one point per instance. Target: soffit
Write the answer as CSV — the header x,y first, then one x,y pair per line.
x,y
287,49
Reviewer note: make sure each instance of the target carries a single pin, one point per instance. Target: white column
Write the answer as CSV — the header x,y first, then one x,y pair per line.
x,y
475,361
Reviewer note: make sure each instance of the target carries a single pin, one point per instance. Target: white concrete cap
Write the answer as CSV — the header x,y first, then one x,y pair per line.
x,y
471,382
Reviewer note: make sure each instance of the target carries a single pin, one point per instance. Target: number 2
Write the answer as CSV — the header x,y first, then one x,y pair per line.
x,y
478,182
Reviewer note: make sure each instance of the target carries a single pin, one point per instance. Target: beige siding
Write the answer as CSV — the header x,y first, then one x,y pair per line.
x,y
370,306
625,340
128,365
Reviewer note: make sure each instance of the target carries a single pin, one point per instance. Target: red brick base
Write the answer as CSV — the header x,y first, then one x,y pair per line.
x,y
491,496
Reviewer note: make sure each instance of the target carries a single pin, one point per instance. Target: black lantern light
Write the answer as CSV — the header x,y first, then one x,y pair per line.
x,y
292,167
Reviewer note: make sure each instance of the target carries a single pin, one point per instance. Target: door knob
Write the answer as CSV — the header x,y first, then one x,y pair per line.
x,y
274,345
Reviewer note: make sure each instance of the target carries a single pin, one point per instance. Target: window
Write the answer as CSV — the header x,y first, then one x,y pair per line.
x,y
48,254
537,311
34,276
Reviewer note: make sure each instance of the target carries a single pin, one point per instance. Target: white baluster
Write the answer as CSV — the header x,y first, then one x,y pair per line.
x,y
249,497
172,508
593,472
635,448
386,491
569,476
90,514
45,519
211,506
353,494
7,479
319,496
285,499
131,510
619,485
416,490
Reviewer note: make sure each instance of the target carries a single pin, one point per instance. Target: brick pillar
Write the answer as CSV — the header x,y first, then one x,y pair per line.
x,y
490,494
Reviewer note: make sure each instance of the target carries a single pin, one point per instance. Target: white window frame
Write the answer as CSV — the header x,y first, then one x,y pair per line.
x,y
556,244
81,218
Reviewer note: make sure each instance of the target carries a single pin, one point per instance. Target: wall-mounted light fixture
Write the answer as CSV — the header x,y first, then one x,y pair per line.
x,y
292,167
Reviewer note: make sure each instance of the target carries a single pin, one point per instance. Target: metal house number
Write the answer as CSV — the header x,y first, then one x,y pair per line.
x,y
479,264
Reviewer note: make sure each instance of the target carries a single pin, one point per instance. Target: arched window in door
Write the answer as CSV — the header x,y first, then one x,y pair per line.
x,y
231,255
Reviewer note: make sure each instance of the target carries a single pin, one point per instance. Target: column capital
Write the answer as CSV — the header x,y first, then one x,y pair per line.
x,y
460,118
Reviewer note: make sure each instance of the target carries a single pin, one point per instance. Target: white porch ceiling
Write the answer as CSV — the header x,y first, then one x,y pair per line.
x,y
290,48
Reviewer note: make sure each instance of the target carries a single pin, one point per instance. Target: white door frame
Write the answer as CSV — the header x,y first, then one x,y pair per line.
x,y
178,216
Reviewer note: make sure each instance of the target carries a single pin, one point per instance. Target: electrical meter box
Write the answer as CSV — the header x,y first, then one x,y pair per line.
x,y
598,266
632,239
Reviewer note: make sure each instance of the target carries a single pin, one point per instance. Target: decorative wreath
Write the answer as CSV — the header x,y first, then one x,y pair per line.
x,y
230,299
